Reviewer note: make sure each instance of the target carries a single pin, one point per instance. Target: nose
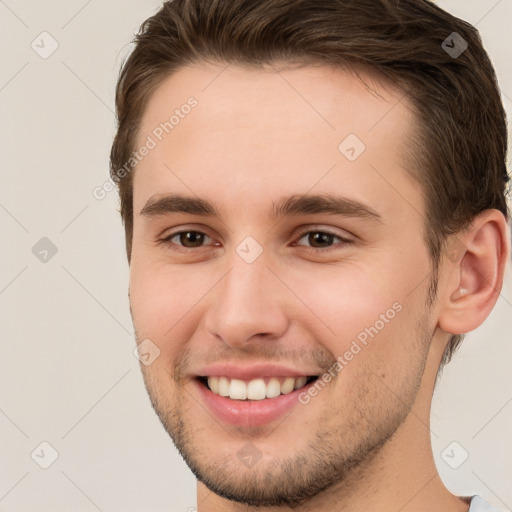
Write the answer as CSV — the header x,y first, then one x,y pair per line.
x,y
247,304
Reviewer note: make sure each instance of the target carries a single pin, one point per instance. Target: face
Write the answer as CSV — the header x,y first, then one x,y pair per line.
x,y
288,308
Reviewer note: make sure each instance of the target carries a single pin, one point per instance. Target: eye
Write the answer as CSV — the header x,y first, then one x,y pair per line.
x,y
188,239
320,239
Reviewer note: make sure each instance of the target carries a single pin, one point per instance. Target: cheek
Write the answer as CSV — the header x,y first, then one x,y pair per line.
x,y
342,301
363,321
165,302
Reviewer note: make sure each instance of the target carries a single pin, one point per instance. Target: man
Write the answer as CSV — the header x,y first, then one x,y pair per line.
x,y
313,194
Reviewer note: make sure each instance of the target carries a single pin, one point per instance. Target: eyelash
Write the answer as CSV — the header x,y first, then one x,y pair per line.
x,y
167,240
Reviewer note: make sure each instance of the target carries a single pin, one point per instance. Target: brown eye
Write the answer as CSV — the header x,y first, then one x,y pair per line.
x,y
322,239
188,239
319,239
194,238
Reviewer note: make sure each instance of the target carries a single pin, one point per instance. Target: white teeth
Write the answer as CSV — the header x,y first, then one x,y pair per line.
x,y
223,386
256,389
273,388
213,384
287,385
237,389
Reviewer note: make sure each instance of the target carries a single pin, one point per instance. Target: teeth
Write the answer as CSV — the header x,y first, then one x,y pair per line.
x,y
213,384
256,389
287,386
237,389
273,388
300,382
223,386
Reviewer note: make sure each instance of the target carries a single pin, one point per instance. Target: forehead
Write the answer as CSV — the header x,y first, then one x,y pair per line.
x,y
325,99
251,130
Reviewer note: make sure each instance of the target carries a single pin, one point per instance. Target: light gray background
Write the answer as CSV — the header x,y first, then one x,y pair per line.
x,y
67,372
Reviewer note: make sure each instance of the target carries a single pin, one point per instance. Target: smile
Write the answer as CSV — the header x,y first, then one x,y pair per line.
x,y
251,395
255,389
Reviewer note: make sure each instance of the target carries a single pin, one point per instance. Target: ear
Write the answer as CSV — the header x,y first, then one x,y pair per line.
x,y
475,263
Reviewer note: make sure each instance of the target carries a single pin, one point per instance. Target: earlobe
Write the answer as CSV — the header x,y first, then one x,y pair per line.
x,y
474,279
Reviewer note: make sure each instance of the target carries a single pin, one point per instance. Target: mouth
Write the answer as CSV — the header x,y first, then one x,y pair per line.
x,y
261,388
252,394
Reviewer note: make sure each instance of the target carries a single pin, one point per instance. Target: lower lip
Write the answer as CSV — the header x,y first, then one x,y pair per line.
x,y
249,413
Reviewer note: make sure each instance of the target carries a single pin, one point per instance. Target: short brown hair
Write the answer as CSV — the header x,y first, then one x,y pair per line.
x,y
458,155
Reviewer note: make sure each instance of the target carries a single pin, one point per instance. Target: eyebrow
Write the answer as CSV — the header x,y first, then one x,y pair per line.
x,y
293,205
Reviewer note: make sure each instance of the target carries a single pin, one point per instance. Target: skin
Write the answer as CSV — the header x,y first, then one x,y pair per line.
x,y
363,443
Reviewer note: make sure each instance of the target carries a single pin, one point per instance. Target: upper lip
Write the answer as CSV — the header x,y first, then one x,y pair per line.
x,y
251,371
